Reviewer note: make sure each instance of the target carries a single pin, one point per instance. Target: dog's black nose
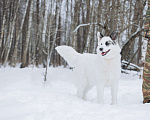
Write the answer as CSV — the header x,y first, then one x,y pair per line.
x,y
101,49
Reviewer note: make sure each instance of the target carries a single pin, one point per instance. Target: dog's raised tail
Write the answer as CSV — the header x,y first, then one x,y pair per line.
x,y
69,54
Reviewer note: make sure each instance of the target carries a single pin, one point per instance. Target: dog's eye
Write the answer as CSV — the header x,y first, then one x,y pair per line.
x,y
107,43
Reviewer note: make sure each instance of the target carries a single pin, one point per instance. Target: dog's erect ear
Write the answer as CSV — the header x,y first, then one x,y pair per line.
x,y
113,35
99,36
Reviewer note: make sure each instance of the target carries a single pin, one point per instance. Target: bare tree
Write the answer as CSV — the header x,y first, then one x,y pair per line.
x,y
25,33
56,28
10,34
3,22
14,56
87,46
24,58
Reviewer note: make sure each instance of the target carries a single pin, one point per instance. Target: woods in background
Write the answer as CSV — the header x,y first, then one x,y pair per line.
x,y
31,29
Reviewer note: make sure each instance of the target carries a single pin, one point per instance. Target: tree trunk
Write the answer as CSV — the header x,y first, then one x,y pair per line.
x,y
87,46
67,24
128,48
10,35
14,57
24,58
37,34
45,20
56,29
112,17
48,51
3,24
75,23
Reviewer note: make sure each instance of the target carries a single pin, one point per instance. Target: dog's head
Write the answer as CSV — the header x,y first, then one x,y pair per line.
x,y
108,47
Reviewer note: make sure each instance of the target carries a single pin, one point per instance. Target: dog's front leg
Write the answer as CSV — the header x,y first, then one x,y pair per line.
x,y
100,94
114,89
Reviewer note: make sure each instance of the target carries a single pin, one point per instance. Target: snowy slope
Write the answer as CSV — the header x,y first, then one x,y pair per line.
x,y
24,96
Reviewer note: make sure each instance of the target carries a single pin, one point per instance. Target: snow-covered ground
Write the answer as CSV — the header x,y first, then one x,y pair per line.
x,y
24,96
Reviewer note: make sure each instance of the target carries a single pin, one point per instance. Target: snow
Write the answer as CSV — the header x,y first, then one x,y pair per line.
x,y
24,96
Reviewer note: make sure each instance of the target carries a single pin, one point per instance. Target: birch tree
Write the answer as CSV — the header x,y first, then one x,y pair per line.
x,y
10,35
14,56
87,46
5,5
76,27
45,19
128,48
3,23
24,57
48,51
37,33
67,23
56,28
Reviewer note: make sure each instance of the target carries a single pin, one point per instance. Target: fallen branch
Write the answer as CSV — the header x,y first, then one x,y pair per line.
x,y
129,66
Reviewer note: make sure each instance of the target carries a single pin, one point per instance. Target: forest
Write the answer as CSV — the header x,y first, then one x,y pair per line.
x,y
37,84
31,29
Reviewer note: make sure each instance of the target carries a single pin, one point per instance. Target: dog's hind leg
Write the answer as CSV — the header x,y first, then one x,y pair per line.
x,y
100,94
82,90
86,90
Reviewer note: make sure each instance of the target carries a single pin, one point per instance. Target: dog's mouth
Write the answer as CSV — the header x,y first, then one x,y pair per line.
x,y
104,53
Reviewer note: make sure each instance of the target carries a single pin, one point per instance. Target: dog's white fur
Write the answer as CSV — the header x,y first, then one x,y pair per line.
x,y
94,69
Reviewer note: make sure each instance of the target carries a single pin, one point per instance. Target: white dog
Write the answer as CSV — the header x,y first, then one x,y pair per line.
x,y
100,70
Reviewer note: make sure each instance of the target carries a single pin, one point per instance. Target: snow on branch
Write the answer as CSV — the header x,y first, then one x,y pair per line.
x,y
129,65
81,25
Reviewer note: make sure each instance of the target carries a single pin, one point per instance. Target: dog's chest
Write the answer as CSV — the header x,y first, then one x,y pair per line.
x,y
108,79
108,66
110,72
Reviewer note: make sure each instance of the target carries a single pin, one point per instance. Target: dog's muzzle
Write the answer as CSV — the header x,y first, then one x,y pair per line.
x,y
104,53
